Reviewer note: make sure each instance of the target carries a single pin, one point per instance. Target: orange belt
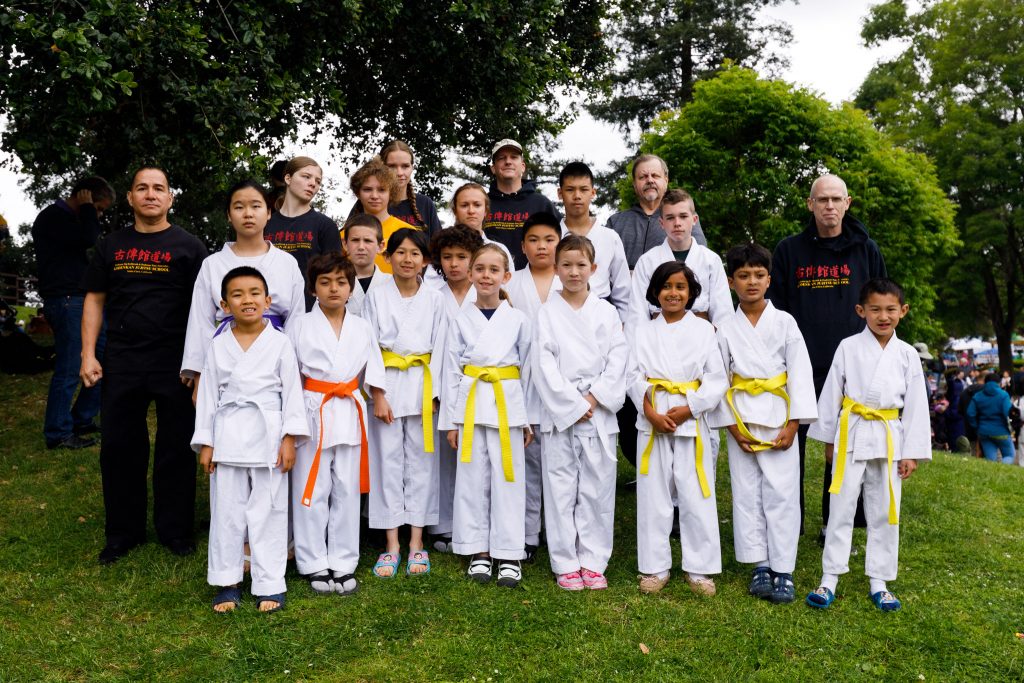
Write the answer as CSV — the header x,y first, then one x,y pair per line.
x,y
336,390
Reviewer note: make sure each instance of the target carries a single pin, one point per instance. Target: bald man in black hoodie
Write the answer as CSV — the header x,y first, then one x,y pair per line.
x,y
816,277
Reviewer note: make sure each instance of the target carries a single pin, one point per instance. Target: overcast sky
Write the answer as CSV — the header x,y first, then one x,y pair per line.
x,y
826,55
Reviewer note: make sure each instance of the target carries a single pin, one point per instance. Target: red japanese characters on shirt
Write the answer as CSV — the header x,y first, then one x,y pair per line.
x,y
822,276
291,240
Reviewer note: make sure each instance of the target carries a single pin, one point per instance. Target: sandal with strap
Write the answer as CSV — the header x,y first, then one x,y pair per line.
x,y
886,601
418,558
321,582
783,590
480,569
387,560
345,584
228,595
760,582
510,573
820,597
571,581
594,581
277,597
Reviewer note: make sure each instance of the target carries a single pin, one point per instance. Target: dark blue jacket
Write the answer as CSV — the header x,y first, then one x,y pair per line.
x,y
988,411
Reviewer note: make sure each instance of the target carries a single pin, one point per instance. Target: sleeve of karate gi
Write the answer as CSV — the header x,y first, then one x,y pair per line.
x,y
712,384
720,303
201,324
206,404
799,377
609,388
917,426
374,374
618,278
636,382
296,296
639,309
523,347
831,401
558,396
721,416
438,340
453,348
294,420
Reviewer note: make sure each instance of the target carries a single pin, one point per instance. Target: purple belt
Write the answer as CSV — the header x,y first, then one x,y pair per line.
x,y
275,320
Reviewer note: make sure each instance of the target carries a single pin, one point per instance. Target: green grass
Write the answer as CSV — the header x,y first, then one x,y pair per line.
x,y
147,617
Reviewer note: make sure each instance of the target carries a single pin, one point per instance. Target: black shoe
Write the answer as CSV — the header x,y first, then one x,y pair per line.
x,y
73,443
821,538
87,429
182,547
531,552
112,552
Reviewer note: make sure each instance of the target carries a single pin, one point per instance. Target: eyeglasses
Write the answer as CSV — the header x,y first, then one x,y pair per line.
x,y
825,201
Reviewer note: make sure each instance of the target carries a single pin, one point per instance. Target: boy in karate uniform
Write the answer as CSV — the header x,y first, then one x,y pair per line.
x,y
248,414
875,404
678,217
771,392
336,352
363,240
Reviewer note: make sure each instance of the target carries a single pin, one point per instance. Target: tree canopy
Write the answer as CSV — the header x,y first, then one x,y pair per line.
x,y
212,90
748,150
957,93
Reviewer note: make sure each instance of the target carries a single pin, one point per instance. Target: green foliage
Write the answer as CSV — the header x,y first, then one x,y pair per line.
x,y
957,93
213,90
748,150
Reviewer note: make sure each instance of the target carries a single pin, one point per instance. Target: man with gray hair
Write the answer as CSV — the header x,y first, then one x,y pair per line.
x,y
640,225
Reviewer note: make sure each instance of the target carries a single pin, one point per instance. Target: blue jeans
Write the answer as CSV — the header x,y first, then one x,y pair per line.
x,y
992,446
64,413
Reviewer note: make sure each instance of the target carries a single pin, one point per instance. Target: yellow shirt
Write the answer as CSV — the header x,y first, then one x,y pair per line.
x,y
390,226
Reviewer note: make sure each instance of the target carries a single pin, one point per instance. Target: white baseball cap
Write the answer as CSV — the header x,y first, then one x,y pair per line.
x,y
922,351
505,143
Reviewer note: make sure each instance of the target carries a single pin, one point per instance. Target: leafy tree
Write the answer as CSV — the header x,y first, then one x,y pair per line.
x,y
212,90
957,93
748,150
664,47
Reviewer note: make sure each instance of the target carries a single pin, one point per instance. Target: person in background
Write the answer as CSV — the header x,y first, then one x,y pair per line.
x,y
989,414
408,205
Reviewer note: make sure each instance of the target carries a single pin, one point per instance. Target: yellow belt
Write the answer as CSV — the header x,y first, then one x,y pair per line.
x,y
393,360
676,388
774,385
494,375
883,414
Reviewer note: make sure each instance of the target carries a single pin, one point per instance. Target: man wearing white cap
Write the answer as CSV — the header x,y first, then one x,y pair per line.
x,y
513,199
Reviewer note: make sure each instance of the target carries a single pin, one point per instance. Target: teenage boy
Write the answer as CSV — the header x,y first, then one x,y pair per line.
x,y
363,241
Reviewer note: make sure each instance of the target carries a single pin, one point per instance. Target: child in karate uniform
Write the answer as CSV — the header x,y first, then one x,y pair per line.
x,y
486,367
771,393
408,319
336,352
249,414
676,376
528,290
363,240
451,251
875,406
579,370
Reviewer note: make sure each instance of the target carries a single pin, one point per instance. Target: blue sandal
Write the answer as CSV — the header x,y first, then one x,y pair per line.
x,y
387,560
228,594
783,590
886,601
277,597
820,597
418,558
760,582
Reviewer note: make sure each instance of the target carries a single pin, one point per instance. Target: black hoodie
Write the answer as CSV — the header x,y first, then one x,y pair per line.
x,y
508,213
818,281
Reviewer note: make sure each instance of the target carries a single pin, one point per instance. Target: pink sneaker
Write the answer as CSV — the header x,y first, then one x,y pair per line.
x,y
570,582
593,580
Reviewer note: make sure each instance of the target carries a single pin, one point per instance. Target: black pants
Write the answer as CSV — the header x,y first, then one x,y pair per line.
x,y
626,417
124,456
858,519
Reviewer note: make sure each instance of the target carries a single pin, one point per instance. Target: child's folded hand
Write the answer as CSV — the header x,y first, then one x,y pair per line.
x,y
786,435
743,442
662,423
453,439
382,410
680,414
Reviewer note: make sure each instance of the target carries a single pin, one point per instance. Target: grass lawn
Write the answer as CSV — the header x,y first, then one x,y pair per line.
x,y
147,617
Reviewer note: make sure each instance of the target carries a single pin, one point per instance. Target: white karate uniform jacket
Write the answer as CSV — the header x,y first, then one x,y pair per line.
x,y
611,279
522,292
357,300
714,298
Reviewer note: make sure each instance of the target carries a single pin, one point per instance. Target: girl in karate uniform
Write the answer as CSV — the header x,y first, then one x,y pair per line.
x,y
676,376
486,367
409,322
579,371
450,251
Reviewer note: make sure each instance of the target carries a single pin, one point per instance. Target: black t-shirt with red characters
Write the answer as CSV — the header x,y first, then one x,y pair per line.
x,y
304,237
148,280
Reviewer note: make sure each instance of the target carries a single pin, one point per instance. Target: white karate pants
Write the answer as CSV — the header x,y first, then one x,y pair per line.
x,y
673,466
253,499
403,477
765,502
446,461
327,532
534,487
882,554
579,501
489,512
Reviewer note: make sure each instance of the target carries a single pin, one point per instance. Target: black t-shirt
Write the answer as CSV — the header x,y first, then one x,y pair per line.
x,y
305,236
364,282
428,211
61,239
148,280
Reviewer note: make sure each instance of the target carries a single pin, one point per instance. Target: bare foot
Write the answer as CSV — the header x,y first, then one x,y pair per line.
x,y
268,605
385,571
419,561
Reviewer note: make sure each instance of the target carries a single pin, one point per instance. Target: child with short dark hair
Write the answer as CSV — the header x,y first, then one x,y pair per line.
x,y
874,406
363,240
249,413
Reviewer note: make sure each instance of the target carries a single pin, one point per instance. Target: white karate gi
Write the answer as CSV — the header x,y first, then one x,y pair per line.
x,y
877,378
358,297
489,512
679,352
576,352
446,455
284,281
611,279
523,295
247,402
766,484
403,488
327,532
714,299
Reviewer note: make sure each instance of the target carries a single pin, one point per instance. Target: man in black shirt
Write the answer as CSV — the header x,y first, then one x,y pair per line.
x,y
141,278
62,234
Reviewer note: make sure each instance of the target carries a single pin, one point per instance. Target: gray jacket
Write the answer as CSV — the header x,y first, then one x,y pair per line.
x,y
640,233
